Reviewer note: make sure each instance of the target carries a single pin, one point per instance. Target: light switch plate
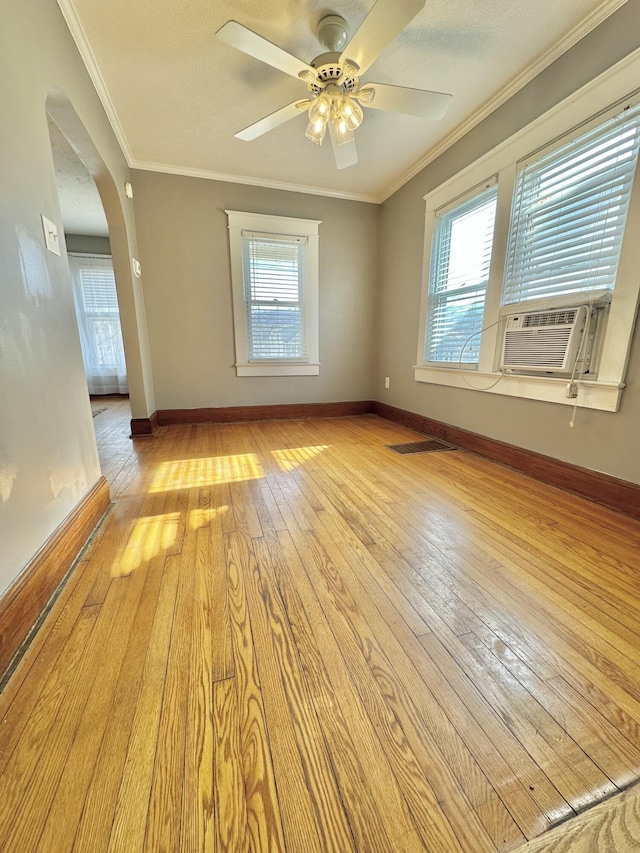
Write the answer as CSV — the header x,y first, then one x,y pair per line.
x,y
51,235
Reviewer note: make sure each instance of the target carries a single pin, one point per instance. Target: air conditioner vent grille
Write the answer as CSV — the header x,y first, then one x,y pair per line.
x,y
550,318
523,348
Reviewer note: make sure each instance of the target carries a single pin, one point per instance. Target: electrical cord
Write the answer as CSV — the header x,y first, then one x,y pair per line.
x,y
578,359
464,346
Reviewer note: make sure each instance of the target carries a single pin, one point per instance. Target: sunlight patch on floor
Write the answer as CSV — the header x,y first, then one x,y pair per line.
x,y
211,471
290,459
150,536
203,517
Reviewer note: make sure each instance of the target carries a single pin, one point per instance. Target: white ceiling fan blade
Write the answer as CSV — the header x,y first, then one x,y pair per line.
x,y
247,41
269,122
346,154
399,99
384,22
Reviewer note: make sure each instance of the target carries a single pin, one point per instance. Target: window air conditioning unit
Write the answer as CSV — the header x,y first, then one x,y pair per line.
x,y
547,341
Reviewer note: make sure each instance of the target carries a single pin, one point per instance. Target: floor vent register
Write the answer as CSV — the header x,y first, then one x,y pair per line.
x,y
429,445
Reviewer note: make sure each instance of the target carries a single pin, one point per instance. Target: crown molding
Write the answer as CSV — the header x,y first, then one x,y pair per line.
x,y
87,56
590,22
250,181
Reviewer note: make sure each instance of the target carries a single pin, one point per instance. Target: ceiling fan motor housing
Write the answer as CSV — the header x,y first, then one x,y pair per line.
x,y
329,70
333,34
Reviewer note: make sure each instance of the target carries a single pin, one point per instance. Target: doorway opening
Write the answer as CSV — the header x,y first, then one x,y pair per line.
x,y
86,237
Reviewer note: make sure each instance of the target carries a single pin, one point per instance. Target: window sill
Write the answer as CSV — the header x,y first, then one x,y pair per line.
x,y
278,369
592,394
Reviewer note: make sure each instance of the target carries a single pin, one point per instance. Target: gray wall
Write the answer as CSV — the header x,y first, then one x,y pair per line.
x,y
601,441
48,458
183,241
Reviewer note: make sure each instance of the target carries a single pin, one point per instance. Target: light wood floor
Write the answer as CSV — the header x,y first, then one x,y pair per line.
x,y
287,637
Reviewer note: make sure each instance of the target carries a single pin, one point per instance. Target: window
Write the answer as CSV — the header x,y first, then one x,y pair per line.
x,y
460,261
274,269
567,207
569,212
96,301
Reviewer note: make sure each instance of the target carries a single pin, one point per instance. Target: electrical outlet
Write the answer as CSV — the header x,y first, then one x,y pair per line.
x,y
386,382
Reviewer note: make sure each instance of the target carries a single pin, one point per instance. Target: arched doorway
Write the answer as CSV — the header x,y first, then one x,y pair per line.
x,y
119,216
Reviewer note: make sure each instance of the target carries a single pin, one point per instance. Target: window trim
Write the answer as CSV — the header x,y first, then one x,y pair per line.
x,y
239,221
569,117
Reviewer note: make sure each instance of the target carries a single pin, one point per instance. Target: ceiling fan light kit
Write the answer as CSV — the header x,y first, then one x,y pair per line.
x,y
335,107
332,78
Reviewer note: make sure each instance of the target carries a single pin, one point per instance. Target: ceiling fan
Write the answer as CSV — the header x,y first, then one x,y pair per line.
x,y
336,96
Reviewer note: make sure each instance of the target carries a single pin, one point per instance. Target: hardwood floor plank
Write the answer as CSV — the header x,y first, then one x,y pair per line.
x,y
63,817
164,820
614,755
213,565
526,627
35,771
99,802
540,664
198,818
312,811
45,655
611,826
130,816
22,760
405,737
549,735
231,824
357,549
618,732
377,812
263,812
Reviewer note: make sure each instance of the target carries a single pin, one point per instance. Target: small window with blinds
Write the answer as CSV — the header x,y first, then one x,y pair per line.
x,y
569,212
459,272
100,304
274,290
274,279
96,303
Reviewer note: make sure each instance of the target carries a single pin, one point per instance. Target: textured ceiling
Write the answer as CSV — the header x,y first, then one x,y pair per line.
x,y
177,95
80,204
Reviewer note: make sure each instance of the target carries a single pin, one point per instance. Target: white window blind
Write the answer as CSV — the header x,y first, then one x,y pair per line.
x,y
96,300
101,311
569,213
459,273
274,291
